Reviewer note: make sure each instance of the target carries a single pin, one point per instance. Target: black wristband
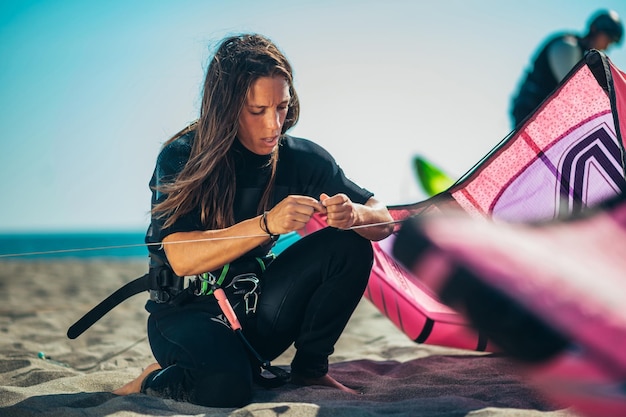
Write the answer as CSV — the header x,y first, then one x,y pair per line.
x,y
266,229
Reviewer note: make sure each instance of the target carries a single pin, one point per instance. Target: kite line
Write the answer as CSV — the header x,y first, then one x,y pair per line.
x,y
161,244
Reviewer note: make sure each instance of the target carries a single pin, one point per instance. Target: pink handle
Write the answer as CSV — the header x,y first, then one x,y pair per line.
x,y
227,308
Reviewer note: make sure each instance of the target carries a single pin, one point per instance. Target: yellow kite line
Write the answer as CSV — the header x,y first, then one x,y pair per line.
x,y
161,244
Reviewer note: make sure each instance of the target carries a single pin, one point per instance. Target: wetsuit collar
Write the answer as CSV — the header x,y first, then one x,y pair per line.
x,y
250,157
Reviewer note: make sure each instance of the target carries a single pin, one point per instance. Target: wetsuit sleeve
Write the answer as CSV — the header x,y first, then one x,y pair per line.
x,y
563,54
318,172
170,162
338,182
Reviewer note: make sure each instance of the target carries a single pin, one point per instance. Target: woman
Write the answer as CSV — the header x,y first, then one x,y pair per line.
x,y
224,189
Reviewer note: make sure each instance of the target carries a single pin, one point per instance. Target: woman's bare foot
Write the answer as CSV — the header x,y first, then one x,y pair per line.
x,y
326,381
134,386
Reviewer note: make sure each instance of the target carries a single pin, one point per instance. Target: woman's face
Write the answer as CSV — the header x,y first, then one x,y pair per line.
x,y
263,114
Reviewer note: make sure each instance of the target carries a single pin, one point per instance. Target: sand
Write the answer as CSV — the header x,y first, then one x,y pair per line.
x,y
39,300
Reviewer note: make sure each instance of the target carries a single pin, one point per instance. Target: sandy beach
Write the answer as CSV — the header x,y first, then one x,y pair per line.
x,y
41,299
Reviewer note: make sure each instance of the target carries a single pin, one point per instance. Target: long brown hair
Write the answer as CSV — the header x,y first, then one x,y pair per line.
x,y
208,178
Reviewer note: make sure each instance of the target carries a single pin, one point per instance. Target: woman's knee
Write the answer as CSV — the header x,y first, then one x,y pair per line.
x,y
348,243
348,255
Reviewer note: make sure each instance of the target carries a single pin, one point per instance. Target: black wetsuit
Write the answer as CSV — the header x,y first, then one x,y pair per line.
x,y
308,293
540,80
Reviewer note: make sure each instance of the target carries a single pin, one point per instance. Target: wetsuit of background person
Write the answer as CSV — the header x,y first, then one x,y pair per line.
x,y
557,56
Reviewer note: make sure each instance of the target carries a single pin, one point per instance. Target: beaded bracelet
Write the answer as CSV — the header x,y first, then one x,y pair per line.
x,y
266,229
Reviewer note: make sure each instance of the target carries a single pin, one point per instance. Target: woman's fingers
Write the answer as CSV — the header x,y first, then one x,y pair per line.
x,y
340,211
293,213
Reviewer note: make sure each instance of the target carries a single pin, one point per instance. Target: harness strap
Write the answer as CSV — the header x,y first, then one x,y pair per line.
x,y
262,263
162,283
134,287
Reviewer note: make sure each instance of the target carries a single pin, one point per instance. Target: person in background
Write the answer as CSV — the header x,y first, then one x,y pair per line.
x,y
223,190
558,55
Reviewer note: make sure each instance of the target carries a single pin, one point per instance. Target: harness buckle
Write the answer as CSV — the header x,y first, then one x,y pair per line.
x,y
250,285
203,285
164,284
246,299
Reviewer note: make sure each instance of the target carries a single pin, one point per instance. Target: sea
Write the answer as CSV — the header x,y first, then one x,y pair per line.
x,y
80,245
87,245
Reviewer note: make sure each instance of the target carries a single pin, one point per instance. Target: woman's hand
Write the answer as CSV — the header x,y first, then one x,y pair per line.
x,y
340,211
343,213
292,213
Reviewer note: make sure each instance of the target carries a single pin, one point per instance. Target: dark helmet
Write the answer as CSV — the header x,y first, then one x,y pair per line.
x,y
607,21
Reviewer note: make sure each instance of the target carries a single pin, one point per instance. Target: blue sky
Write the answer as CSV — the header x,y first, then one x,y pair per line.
x,y
90,90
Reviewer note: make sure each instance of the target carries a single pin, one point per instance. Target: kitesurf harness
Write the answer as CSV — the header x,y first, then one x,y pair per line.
x,y
166,287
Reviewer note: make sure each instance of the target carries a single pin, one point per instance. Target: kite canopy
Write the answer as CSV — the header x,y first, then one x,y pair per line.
x,y
549,293
432,178
566,156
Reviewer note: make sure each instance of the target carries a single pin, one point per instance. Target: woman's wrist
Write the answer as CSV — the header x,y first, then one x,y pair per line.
x,y
265,228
